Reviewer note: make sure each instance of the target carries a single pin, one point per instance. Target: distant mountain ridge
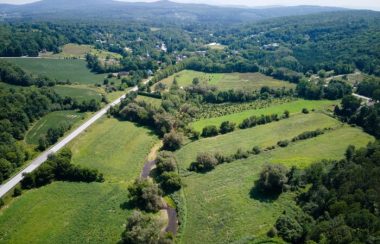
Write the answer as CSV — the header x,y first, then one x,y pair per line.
x,y
154,11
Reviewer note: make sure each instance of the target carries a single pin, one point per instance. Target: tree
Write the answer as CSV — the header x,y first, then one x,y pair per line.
x,y
173,141
210,131
227,127
141,229
166,162
6,169
205,162
196,81
272,179
350,105
170,182
145,195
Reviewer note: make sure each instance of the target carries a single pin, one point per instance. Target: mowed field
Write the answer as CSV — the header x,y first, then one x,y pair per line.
x,y
81,93
52,120
74,70
219,207
78,212
226,81
293,107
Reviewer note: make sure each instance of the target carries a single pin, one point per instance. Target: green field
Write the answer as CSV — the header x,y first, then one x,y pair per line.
x,y
77,92
150,100
292,107
77,212
262,136
218,204
72,50
226,81
60,69
52,120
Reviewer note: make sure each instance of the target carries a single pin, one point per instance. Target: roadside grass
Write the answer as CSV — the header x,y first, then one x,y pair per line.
x,y
262,136
52,120
293,107
219,206
65,212
74,70
81,93
150,100
226,81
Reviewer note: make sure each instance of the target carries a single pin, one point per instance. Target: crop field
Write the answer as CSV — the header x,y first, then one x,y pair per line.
x,y
293,107
220,201
52,120
150,100
77,92
73,70
77,212
226,81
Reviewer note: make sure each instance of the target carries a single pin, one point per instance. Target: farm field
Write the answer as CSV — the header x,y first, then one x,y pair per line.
x,y
77,212
293,107
262,136
81,93
73,70
220,200
52,120
226,81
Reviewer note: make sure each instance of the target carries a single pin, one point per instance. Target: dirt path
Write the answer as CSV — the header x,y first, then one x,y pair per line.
x,y
171,212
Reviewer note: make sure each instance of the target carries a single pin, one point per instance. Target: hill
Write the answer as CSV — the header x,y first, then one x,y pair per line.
x,y
159,11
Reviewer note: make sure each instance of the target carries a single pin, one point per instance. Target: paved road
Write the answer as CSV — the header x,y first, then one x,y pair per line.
x,y
43,157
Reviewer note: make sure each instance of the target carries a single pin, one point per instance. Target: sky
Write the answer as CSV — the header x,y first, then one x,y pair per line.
x,y
362,4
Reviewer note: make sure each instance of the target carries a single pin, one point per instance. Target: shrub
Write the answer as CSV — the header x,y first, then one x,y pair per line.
x,y
205,162
2,203
227,127
240,154
170,182
305,111
283,143
272,179
256,150
286,114
173,141
210,131
166,162
145,195
17,192
272,232
308,134
289,229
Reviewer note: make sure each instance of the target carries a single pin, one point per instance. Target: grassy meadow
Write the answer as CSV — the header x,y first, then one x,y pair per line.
x,y
52,120
65,212
81,93
150,100
74,70
226,81
293,107
219,207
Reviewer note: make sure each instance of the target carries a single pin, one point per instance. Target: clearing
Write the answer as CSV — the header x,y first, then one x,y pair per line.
x,y
293,107
81,93
226,81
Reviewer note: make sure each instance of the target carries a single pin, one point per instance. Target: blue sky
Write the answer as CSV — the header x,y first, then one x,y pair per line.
x,y
363,4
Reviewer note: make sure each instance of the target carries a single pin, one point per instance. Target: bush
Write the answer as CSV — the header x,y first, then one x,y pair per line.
x,y
256,150
2,203
286,114
210,131
289,229
240,154
17,192
166,162
205,162
145,195
284,143
305,111
308,134
273,178
173,141
227,127
272,232
170,182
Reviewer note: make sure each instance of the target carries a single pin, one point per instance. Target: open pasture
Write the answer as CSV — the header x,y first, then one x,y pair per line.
x,y
293,107
226,81
74,70
219,206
